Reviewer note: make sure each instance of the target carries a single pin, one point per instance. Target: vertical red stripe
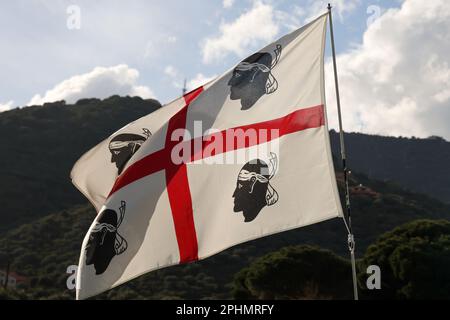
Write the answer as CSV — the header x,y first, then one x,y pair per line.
x,y
183,215
188,97
178,189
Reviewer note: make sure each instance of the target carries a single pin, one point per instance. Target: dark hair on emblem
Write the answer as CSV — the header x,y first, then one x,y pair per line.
x,y
253,189
124,145
105,242
252,78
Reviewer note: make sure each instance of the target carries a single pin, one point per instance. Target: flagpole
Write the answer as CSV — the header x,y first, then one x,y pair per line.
x,y
184,87
351,239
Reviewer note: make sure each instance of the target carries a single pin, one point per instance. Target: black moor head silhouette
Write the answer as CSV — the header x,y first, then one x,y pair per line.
x,y
124,145
252,78
105,242
253,189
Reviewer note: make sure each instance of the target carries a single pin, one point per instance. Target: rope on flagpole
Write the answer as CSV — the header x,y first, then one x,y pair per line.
x,y
348,224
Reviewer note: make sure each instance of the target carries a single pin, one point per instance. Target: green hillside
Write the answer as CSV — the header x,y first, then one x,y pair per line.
x,y
40,144
43,249
44,218
413,261
421,165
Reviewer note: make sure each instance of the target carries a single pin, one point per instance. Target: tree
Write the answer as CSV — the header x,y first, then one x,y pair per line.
x,y
295,272
414,260
10,294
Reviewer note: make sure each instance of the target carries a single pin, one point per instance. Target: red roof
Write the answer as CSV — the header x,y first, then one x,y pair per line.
x,y
16,276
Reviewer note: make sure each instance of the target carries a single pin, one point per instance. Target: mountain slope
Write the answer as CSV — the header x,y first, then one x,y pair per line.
x,y
40,144
43,249
421,165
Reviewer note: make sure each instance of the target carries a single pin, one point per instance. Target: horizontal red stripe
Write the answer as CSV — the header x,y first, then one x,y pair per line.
x,y
296,121
150,164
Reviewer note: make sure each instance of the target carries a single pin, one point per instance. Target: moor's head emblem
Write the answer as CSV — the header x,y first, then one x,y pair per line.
x,y
124,145
105,242
252,78
253,189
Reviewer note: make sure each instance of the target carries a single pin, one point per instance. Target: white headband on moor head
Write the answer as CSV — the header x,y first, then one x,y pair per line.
x,y
271,194
120,244
272,83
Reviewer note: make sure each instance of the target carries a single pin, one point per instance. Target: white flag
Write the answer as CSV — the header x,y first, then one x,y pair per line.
x,y
95,172
248,157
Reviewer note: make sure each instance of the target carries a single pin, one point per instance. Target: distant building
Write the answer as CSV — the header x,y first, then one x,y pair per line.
x,y
365,191
13,279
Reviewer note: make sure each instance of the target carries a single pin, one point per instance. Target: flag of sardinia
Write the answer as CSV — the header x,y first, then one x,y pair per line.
x,y
246,156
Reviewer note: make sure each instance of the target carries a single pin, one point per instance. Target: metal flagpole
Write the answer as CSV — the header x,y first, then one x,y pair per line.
x,y
184,87
348,224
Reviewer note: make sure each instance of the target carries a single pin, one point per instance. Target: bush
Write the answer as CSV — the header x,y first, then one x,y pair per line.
x,y
11,294
414,260
296,272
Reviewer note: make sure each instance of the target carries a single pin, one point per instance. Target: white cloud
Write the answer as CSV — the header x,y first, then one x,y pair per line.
x,y
248,30
100,83
6,106
199,80
171,71
262,23
397,82
341,8
296,16
158,44
178,78
292,19
227,3
175,76
172,39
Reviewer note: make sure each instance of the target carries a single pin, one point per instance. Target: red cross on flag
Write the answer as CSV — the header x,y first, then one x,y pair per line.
x,y
95,172
246,156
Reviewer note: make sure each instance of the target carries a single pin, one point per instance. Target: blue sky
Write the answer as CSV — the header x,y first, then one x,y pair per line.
x,y
147,48
146,35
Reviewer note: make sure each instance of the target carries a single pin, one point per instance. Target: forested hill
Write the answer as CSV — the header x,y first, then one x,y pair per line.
x,y
44,218
42,250
421,165
40,144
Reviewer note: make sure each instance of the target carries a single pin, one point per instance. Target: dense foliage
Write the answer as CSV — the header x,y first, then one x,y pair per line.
x,y
44,218
296,272
414,260
40,144
421,165
42,250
